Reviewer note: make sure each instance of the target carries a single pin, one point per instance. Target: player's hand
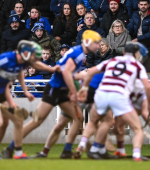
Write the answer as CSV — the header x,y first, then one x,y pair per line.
x,y
57,68
13,104
82,95
29,96
73,99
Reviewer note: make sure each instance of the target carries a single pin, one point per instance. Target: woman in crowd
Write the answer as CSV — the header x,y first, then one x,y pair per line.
x,y
118,36
65,28
104,53
81,11
35,15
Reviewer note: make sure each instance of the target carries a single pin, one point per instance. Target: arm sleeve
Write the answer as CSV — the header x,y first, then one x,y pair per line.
x,y
95,4
129,6
102,66
54,8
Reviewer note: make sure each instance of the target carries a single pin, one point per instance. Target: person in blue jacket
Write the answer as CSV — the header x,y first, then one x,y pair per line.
x,y
35,15
139,25
132,6
89,25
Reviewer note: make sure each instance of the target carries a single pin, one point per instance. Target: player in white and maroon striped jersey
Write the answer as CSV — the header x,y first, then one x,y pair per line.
x,y
113,93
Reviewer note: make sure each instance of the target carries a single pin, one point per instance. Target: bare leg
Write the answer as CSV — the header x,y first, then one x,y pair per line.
x,y
28,127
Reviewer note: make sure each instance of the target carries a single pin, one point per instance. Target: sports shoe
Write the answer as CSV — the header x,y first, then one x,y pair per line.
x,y
23,156
142,158
66,155
7,153
21,113
78,153
38,155
107,156
94,155
120,155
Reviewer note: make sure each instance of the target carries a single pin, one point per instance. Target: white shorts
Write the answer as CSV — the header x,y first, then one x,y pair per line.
x,y
138,103
117,102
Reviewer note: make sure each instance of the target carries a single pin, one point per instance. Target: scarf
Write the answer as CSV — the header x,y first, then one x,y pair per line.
x,y
117,41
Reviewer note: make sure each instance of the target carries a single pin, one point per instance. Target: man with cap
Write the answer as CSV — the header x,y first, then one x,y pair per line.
x,y
41,37
14,34
116,11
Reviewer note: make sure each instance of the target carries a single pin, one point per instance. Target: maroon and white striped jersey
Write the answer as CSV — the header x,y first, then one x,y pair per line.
x,y
120,74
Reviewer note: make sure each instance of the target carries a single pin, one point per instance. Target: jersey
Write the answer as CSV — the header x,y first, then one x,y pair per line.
x,y
9,69
77,54
120,74
96,80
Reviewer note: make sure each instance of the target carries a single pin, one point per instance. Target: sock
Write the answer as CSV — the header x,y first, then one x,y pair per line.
x,y
136,153
11,146
83,142
45,151
68,146
97,147
18,151
120,147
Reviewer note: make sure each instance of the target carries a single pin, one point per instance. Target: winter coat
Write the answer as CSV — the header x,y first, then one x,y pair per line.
x,y
33,88
46,24
132,6
98,58
56,9
109,18
45,74
10,38
51,42
134,25
94,28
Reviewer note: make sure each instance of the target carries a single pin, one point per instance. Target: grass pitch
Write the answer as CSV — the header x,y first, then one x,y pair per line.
x,y
54,163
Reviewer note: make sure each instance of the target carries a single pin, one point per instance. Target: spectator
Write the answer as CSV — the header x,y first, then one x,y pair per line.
x,y
44,6
132,6
13,35
31,86
65,25
116,11
35,15
105,52
81,10
89,21
19,9
63,49
139,25
56,5
118,36
41,37
46,59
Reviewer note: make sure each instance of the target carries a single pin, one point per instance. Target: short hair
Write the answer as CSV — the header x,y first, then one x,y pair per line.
x,y
46,48
106,42
19,2
81,4
117,22
143,1
90,14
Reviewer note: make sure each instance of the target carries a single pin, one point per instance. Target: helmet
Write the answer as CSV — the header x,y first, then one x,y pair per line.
x,y
30,47
143,52
90,35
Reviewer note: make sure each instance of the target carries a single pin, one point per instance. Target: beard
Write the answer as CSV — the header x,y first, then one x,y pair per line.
x,y
14,28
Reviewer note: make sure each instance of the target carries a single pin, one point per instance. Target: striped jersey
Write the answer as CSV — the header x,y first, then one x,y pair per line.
x,y
120,74
77,54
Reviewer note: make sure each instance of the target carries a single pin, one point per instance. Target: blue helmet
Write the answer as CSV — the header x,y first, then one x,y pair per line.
x,y
143,52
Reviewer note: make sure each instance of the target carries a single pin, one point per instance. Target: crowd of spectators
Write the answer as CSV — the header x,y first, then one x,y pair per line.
x,y
59,24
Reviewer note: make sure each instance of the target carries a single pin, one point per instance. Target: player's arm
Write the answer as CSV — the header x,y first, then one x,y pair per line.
x,y
24,87
147,88
81,75
67,75
38,65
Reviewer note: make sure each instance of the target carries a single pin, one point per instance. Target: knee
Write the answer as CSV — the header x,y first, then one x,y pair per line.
x,y
18,123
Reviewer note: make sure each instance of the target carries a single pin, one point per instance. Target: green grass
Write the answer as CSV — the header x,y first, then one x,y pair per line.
x,y
54,163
